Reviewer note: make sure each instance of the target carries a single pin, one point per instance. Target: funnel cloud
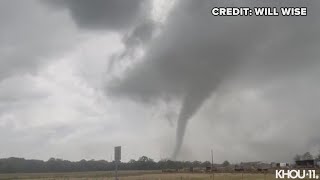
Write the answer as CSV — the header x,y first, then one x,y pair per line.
x,y
196,52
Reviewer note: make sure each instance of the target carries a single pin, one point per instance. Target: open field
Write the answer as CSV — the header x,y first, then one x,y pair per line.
x,y
75,175
137,175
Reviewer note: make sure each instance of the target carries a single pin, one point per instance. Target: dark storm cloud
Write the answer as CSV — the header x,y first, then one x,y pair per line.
x,y
196,52
30,35
105,14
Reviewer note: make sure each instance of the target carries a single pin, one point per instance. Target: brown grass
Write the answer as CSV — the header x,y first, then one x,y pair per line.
x,y
138,175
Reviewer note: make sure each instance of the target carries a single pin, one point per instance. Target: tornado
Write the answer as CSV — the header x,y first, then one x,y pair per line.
x,y
190,105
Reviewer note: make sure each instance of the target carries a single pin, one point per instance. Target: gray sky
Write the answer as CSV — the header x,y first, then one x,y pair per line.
x,y
80,77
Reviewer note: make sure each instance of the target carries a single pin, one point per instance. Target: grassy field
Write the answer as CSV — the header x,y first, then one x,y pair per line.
x,y
75,175
137,175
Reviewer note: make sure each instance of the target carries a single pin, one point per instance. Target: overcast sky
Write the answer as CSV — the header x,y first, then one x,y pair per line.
x,y
160,78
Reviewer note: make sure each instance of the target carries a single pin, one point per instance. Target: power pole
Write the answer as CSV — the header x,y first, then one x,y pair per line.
x,y
117,158
116,178
212,164
211,159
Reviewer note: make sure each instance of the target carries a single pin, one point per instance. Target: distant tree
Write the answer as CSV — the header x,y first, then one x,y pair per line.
x,y
206,164
196,164
318,156
188,164
145,159
226,163
297,158
145,163
307,156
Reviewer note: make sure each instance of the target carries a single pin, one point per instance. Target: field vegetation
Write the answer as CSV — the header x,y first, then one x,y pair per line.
x,y
138,175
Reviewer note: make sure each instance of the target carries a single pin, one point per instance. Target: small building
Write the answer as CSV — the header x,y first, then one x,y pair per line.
x,y
253,166
263,167
238,168
274,165
169,170
208,169
282,165
250,166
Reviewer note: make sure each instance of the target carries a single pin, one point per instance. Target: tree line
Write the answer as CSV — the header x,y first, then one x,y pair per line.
x,y
21,165
306,156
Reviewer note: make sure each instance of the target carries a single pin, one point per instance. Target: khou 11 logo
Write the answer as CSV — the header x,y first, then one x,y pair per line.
x,y
296,174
